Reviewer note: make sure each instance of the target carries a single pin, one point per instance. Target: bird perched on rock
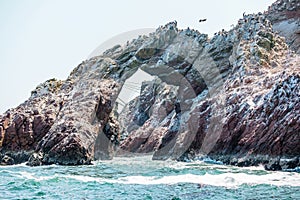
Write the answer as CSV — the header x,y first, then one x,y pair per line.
x,y
202,20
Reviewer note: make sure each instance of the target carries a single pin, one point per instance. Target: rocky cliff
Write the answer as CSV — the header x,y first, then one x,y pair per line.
x,y
285,17
233,97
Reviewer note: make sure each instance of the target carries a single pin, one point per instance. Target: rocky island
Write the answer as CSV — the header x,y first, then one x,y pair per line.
x,y
233,98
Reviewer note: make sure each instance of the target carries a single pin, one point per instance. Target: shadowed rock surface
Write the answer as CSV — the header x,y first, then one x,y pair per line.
x,y
234,97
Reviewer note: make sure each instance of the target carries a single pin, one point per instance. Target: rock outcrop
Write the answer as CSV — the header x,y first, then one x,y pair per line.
x,y
285,17
234,97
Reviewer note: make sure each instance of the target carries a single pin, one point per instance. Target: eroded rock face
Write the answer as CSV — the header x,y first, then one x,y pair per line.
x,y
259,119
83,117
146,137
22,128
285,17
234,97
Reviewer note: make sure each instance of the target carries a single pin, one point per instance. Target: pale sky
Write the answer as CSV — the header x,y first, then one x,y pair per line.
x,y
42,39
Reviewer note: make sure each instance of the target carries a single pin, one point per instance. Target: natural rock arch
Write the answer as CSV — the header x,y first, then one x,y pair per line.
x,y
61,120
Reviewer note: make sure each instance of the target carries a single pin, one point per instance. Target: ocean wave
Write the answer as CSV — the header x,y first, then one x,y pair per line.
x,y
220,180
225,180
32,176
13,166
214,175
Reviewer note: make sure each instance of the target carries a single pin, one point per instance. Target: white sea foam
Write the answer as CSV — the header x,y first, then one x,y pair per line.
x,y
225,180
221,180
216,175
13,166
86,178
31,176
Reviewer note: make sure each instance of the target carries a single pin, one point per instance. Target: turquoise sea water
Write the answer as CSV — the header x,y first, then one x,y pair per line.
x,y
142,178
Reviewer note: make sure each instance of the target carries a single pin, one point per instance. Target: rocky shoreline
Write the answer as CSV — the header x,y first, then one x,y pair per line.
x,y
233,98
